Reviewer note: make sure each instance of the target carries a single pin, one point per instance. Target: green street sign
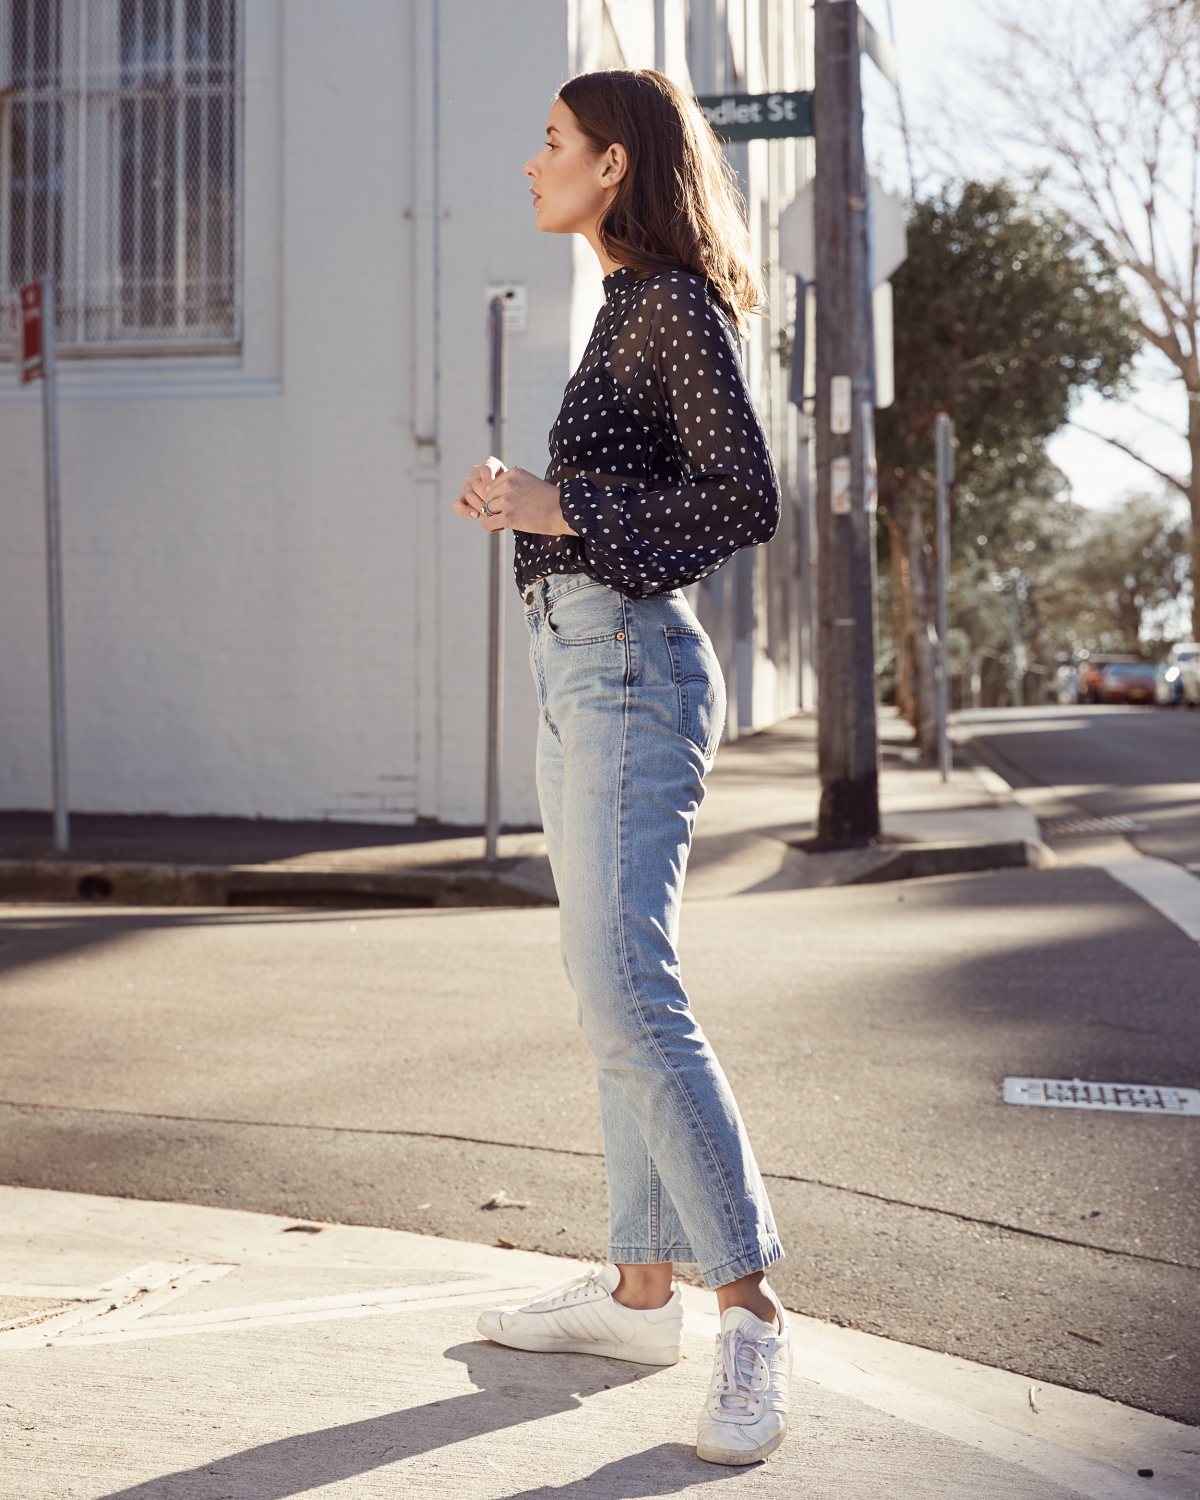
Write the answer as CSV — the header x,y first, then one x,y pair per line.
x,y
756,117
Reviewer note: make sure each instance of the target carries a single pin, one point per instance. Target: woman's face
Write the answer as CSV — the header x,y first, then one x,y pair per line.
x,y
571,184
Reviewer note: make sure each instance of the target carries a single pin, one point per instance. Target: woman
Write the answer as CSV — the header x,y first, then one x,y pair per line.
x,y
659,472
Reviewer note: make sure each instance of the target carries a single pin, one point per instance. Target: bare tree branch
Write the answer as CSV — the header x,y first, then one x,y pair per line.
x,y
1171,479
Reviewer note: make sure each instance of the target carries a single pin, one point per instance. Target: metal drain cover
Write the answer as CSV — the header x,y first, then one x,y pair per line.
x,y
1083,828
1129,1098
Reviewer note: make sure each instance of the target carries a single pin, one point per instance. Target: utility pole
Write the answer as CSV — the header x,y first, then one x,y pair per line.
x,y
847,749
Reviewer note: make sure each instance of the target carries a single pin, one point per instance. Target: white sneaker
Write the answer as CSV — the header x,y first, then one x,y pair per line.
x,y
745,1416
581,1317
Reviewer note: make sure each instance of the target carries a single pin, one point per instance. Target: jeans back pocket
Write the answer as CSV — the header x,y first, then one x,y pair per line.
x,y
697,678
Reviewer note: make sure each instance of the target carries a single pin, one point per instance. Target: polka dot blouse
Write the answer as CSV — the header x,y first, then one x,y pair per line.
x,y
662,464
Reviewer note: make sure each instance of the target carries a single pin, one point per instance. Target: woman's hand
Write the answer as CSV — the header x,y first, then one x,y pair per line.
x,y
515,500
470,502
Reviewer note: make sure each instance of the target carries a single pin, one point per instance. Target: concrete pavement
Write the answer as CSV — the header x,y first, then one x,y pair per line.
x,y
156,1351
343,1065
759,814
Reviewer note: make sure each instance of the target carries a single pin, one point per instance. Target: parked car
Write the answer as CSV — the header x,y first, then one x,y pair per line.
x,y
1127,682
1169,679
1091,676
1189,676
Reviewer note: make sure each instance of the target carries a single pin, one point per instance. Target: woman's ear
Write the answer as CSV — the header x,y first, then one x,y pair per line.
x,y
616,164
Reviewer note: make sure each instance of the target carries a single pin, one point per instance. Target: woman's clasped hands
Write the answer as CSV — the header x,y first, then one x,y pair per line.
x,y
512,499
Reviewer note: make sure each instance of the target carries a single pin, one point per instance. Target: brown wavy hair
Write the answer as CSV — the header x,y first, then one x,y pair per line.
x,y
678,205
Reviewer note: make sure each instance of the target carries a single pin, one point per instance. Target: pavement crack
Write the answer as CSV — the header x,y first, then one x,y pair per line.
x,y
475,1140
949,1213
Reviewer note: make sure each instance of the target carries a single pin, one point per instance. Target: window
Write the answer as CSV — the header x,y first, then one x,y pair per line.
x,y
120,146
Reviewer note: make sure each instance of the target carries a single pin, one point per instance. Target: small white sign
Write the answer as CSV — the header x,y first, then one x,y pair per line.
x,y
516,302
839,491
1128,1098
839,403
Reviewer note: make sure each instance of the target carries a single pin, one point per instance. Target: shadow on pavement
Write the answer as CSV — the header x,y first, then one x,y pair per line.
x,y
513,1388
666,1470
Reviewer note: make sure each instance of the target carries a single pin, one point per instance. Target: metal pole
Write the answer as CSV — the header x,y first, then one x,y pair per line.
x,y
847,744
945,477
497,550
58,695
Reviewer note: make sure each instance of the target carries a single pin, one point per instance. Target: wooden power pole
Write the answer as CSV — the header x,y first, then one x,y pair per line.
x,y
845,445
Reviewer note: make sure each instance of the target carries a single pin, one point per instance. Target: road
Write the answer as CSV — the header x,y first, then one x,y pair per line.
x,y
399,1067
1138,763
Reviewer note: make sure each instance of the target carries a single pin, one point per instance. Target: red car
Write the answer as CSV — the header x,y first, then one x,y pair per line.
x,y
1091,676
1127,682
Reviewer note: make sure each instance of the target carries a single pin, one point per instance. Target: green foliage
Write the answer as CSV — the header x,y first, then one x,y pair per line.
x,y
1124,582
1002,310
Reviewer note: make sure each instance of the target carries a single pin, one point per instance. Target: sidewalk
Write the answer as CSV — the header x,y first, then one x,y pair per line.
x,y
158,1351
760,811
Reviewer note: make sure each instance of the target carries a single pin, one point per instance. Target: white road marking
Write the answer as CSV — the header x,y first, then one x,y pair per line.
x,y
1165,886
98,1322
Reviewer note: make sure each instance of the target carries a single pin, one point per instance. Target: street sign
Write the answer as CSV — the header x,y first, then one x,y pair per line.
x,y
757,117
32,367
887,237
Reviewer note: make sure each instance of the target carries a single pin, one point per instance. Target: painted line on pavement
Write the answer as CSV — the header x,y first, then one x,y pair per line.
x,y
1167,887
102,1327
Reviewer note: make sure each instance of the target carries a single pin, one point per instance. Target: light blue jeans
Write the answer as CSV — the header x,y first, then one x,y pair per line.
x,y
632,707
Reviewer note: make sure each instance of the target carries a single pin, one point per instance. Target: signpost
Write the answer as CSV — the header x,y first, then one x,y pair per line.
x,y
945,478
498,420
846,235
38,361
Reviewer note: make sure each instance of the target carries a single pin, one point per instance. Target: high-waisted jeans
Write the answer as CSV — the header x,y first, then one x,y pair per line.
x,y
632,706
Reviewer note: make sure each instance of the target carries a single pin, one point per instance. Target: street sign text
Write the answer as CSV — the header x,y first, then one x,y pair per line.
x,y
753,117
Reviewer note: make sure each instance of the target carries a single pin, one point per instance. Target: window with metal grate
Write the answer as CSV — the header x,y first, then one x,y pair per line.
x,y
120,168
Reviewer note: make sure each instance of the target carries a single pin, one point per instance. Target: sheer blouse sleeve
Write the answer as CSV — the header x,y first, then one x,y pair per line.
x,y
675,363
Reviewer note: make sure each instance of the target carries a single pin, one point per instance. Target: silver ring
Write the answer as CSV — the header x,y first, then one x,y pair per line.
x,y
483,506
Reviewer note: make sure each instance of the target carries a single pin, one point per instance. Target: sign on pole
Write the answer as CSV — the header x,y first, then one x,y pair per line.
x,y
38,361
758,117
31,332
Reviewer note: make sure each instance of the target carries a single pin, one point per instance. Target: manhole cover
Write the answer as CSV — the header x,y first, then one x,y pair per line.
x,y
1130,1098
1082,828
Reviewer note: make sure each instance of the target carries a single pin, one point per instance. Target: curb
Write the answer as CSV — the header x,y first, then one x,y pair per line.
x,y
918,861
125,884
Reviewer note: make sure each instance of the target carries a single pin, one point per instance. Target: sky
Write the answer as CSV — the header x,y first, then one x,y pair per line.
x,y
937,43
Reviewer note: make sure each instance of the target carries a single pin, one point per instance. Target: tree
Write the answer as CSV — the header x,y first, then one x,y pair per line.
x,y
1125,578
1002,310
1105,101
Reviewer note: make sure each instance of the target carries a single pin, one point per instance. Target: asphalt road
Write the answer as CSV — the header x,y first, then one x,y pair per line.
x,y
399,1068
1139,763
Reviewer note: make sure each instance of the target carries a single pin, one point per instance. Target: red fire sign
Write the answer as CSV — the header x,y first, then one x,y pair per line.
x,y
31,332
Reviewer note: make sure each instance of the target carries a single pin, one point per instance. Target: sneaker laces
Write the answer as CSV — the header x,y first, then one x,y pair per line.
x,y
746,1373
567,1292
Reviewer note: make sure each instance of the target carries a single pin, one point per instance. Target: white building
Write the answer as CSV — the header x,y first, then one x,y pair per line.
x,y
273,225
